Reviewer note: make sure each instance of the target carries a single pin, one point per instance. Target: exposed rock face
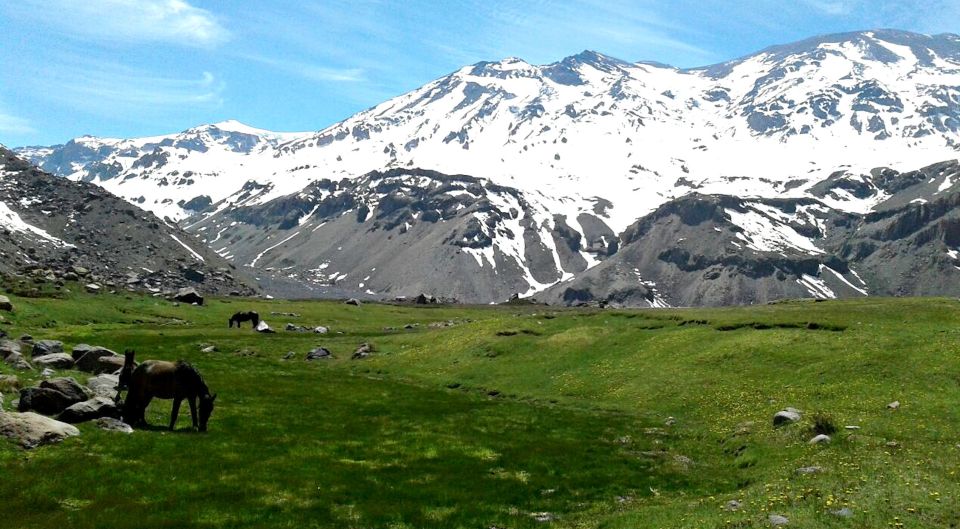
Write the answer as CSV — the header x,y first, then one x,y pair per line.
x,y
406,232
56,230
721,250
31,430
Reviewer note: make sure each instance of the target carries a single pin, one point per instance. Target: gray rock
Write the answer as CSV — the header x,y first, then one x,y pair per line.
x,y
778,520
47,372
69,387
8,347
785,417
320,353
104,385
209,349
189,295
54,361
362,352
289,355
18,362
109,364
43,400
87,356
46,347
352,301
845,512
92,288
733,506
264,328
89,409
111,424
895,405
30,430
6,304
809,470
851,428
820,439
321,329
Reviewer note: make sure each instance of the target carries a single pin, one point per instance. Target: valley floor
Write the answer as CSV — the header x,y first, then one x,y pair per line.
x,y
512,417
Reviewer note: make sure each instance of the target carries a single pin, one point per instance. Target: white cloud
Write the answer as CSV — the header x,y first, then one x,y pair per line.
x,y
107,88
170,21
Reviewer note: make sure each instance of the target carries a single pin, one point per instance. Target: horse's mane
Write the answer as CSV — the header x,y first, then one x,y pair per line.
x,y
184,368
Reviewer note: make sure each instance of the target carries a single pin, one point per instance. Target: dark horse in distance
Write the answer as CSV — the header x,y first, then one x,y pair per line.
x,y
240,317
167,380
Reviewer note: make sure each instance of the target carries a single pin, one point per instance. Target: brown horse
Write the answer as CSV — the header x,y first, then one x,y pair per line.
x,y
167,380
240,317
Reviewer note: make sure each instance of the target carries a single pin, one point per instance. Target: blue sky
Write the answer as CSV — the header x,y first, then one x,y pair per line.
x,y
127,68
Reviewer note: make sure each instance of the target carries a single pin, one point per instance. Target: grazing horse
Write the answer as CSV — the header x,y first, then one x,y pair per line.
x,y
167,380
239,317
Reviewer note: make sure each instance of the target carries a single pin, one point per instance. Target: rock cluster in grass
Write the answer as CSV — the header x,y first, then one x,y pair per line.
x,y
44,411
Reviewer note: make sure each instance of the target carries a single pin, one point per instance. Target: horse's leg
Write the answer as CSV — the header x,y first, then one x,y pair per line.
x,y
193,411
142,416
175,412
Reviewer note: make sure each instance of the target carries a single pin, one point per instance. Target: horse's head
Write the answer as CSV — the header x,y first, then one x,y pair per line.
x,y
128,366
206,409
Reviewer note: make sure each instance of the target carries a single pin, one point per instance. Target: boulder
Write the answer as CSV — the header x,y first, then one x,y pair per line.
x,y
104,385
320,353
777,520
352,301
895,405
69,387
16,361
87,356
209,349
5,304
44,400
46,347
47,372
89,409
30,430
820,439
362,352
786,416
321,329
264,328
189,295
8,347
109,364
111,424
54,361
92,288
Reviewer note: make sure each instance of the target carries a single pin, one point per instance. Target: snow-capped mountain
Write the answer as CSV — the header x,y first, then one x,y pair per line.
x,y
563,157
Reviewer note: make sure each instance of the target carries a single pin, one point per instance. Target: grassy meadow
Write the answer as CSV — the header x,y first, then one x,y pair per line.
x,y
512,417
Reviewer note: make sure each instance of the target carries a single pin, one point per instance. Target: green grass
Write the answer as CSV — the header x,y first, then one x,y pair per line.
x,y
513,411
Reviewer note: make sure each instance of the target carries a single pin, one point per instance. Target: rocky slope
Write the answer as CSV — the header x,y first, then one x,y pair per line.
x,y
563,159
55,229
720,250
